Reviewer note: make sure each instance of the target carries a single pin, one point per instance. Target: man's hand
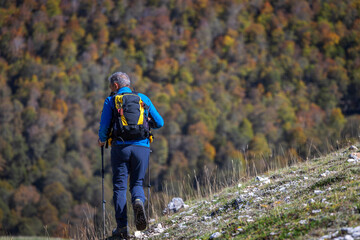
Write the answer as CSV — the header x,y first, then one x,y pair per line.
x,y
101,143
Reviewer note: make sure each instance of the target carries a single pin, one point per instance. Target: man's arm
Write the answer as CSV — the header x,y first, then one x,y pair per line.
x,y
105,121
156,119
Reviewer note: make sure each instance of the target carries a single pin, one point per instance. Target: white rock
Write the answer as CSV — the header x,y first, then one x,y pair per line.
x,y
239,229
174,205
318,192
327,172
306,178
159,230
353,147
181,225
138,234
303,222
335,234
263,179
356,229
311,201
350,160
316,211
215,235
348,237
239,185
353,156
326,237
206,218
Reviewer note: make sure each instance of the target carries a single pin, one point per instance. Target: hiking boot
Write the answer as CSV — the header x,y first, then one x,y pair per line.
x,y
140,217
121,233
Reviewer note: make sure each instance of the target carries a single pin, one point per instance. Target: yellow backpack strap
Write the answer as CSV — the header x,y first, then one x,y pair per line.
x,y
119,108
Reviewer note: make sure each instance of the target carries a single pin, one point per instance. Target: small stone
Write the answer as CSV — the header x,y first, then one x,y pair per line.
x,y
335,234
215,235
174,205
206,218
354,156
239,229
181,225
325,237
350,160
353,147
303,222
263,179
348,237
327,172
356,229
316,211
239,185
311,201
306,178
318,192
138,234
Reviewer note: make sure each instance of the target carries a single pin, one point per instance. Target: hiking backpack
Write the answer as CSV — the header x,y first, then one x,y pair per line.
x,y
130,121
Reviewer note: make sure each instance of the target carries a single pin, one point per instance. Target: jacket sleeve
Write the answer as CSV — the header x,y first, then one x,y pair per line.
x,y
105,121
156,118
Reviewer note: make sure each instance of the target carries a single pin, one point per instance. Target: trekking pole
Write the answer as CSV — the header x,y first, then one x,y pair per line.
x,y
102,183
149,185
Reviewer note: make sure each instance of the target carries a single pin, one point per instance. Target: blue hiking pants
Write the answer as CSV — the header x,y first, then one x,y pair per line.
x,y
128,160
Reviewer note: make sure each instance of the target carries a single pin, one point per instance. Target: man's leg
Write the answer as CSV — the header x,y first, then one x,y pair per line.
x,y
120,156
139,162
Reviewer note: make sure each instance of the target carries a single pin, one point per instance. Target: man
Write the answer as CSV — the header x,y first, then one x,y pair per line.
x,y
128,156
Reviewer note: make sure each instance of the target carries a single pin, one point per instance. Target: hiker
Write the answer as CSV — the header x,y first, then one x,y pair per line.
x,y
130,136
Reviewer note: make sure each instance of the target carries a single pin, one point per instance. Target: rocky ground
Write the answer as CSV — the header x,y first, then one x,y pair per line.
x,y
316,199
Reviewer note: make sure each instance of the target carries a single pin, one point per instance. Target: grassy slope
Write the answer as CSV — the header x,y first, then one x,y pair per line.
x,y
305,201
30,238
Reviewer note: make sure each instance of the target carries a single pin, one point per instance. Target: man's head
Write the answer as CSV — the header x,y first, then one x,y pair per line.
x,y
118,80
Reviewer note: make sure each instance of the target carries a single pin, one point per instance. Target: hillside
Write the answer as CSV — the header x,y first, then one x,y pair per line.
x,y
316,199
255,83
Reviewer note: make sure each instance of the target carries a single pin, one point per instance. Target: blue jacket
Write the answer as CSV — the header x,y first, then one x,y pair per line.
x,y
107,112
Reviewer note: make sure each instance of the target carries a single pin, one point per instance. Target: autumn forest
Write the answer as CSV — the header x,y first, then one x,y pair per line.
x,y
237,82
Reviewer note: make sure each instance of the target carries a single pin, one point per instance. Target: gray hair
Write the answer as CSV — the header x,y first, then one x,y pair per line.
x,y
120,78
